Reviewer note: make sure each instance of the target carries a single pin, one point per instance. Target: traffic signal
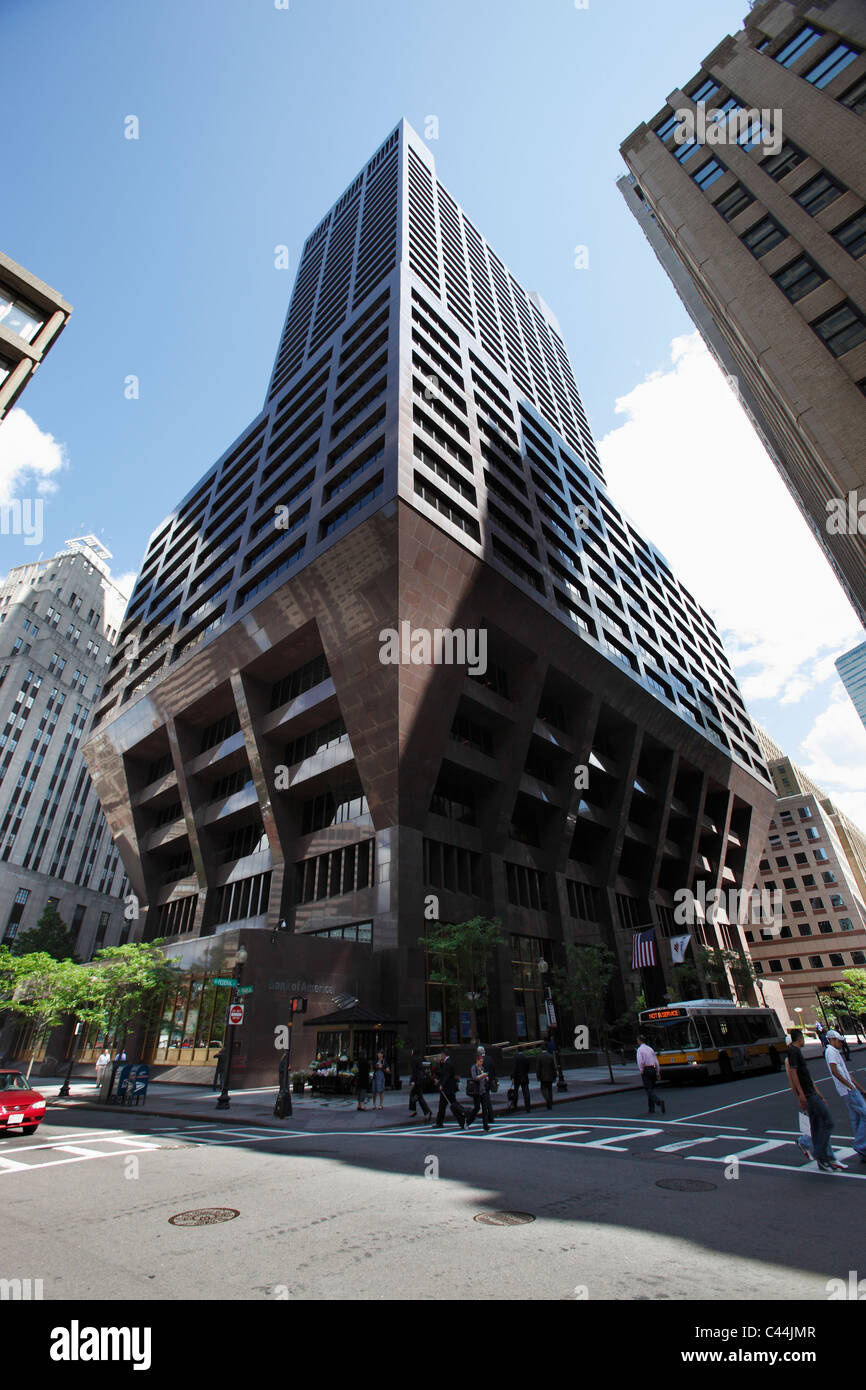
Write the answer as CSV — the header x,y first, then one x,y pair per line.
x,y
299,1006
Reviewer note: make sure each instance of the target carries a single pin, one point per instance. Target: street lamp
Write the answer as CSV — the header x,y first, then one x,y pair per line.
x,y
241,957
543,969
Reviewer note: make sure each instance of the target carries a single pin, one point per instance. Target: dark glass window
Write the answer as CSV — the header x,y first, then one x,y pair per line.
x,y
855,97
763,236
852,235
778,165
819,193
798,278
842,329
735,201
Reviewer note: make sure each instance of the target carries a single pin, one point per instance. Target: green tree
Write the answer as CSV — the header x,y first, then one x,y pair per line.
x,y
851,992
130,978
583,986
39,991
687,981
460,952
50,935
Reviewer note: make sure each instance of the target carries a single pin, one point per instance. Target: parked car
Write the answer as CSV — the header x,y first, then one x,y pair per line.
x,y
21,1108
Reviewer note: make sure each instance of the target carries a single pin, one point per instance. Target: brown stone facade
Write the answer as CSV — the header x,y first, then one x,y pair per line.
x,y
661,806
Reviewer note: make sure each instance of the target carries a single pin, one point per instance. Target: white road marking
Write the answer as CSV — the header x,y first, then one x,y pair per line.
x,y
765,1147
690,1143
10,1163
735,1105
811,1168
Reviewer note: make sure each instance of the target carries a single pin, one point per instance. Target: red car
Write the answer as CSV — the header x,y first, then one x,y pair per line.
x,y
21,1109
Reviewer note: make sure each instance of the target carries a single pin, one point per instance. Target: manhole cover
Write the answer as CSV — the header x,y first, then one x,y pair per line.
x,y
686,1185
504,1218
204,1216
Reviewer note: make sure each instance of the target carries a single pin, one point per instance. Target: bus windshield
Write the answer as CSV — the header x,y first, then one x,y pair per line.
x,y
671,1034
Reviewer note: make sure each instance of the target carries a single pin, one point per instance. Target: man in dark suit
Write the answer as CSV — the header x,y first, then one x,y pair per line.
x,y
446,1082
545,1071
520,1077
416,1085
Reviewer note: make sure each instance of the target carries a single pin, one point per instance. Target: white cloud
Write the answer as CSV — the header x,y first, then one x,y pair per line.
x,y
833,753
126,582
690,469
30,458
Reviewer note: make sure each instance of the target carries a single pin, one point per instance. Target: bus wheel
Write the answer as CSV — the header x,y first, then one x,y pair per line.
x,y
726,1071
775,1060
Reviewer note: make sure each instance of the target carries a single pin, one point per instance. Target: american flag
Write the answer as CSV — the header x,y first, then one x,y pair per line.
x,y
643,951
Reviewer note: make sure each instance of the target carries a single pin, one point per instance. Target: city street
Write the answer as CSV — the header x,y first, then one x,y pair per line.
x,y
389,1212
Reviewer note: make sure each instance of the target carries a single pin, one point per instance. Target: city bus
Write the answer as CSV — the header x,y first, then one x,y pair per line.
x,y
699,1038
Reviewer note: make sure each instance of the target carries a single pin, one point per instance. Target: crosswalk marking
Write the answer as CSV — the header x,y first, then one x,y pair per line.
x,y
766,1147
10,1163
689,1143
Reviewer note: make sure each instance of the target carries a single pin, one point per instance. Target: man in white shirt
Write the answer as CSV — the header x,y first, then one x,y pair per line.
x,y
650,1072
850,1089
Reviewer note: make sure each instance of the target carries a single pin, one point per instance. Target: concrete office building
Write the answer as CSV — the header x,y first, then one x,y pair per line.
x,y
761,225
58,621
32,315
274,746
816,858
852,673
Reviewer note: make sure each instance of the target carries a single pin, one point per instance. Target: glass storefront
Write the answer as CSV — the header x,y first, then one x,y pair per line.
x,y
185,1026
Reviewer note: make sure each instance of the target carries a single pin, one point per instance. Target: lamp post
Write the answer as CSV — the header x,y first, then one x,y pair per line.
x,y
73,1052
543,969
240,961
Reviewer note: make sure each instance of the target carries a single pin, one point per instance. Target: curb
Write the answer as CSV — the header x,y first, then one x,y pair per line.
x,y
225,1118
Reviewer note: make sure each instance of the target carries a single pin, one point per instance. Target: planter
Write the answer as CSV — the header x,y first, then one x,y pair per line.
x,y
298,1088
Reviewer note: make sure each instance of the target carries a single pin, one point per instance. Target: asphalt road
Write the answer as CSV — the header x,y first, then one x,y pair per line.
x,y
390,1213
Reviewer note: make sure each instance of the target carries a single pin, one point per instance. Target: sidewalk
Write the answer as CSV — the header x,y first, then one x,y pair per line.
x,y
255,1107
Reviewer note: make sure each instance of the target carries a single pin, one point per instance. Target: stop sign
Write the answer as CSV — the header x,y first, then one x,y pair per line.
x,y
236,1013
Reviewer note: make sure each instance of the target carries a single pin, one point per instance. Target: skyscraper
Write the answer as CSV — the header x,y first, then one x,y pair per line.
x,y
852,673
31,317
815,859
759,218
398,658
58,620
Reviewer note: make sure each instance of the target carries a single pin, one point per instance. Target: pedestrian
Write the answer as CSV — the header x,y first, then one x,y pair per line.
x,y
820,1033
481,1090
545,1072
811,1101
362,1082
120,1055
380,1072
102,1061
492,1079
520,1077
416,1086
848,1088
219,1069
650,1074
446,1083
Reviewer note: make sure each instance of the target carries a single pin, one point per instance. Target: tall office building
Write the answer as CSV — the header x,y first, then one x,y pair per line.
x,y
852,673
274,745
815,858
58,620
761,224
31,317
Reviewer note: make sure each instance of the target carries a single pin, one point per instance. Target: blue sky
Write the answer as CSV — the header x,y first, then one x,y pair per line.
x,y
252,121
